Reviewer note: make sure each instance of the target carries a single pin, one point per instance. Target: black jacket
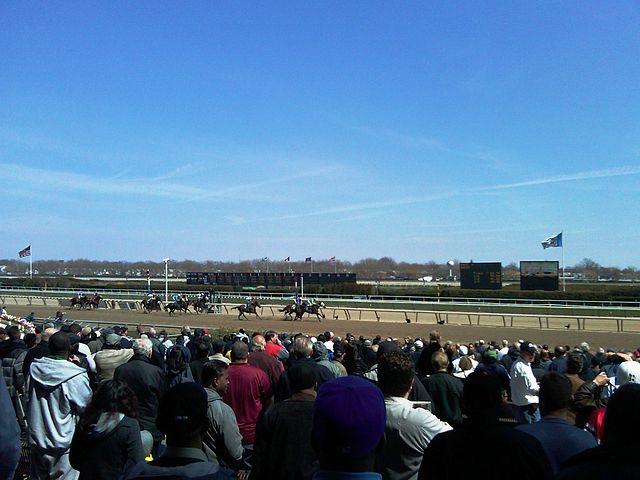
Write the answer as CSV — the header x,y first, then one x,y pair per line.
x,y
106,455
148,383
446,395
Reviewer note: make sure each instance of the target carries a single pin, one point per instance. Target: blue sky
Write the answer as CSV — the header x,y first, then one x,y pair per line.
x,y
225,130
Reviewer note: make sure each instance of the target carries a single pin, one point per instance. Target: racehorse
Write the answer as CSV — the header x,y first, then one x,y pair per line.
x,y
91,301
180,305
200,304
151,304
300,310
251,308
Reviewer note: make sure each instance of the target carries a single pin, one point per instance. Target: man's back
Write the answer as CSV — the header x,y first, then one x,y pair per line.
x,y
408,431
559,438
283,441
446,393
249,388
268,364
58,389
482,448
147,381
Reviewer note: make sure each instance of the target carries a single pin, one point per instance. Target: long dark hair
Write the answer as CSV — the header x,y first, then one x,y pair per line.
x,y
111,396
176,360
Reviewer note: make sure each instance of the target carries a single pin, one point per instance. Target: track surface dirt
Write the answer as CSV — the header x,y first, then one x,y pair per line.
x,y
396,329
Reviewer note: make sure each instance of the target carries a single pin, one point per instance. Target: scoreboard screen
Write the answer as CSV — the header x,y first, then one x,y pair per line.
x,y
539,275
487,275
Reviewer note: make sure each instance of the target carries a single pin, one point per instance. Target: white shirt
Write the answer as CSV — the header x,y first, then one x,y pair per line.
x,y
502,352
408,432
524,386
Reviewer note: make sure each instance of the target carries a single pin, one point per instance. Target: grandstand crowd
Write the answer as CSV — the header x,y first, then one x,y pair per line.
x,y
109,403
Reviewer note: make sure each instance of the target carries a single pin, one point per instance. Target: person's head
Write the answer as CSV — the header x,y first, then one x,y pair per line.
x,y
75,328
48,333
481,396
338,351
30,340
527,351
176,360
622,418
574,362
112,342
302,347
59,344
628,372
555,394
584,346
215,375
434,336
270,336
218,346
112,396
203,348
490,355
239,352
440,361
143,346
349,419
558,351
258,343
387,346
182,415
302,378
395,374
465,364
13,332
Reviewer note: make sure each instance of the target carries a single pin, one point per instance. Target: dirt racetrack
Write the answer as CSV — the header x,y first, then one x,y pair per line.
x,y
394,328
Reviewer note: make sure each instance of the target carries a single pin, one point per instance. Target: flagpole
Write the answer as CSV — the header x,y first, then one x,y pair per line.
x,y
563,277
30,261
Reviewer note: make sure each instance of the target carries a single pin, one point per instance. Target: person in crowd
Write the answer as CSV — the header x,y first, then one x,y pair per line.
x,y
265,362
560,439
425,366
504,349
367,353
39,351
148,383
9,435
248,393
617,455
111,357
282,446
524,386
202,353
349,418
353,363
223,442
445,390
545,360
408,430
455,363
274,347
513,451
192,345
107,438
320,355
559,362
491,366
338,358
219,346
178,370
58,391
182,417
12,346
301,352
465,368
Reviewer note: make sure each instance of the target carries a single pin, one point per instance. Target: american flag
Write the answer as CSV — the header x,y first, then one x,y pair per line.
x,y
308,259
25,252
331,259
286,260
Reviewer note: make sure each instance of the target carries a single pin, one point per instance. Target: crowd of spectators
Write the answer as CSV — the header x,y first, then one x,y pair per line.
x,y
109,403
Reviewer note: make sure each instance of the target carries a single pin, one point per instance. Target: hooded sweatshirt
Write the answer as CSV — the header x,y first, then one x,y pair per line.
x,y
59,389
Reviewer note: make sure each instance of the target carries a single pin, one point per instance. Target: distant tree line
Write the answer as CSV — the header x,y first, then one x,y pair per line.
x,y
384,268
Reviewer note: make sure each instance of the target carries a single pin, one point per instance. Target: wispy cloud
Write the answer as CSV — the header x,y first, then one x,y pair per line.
x,y
386,204
38,178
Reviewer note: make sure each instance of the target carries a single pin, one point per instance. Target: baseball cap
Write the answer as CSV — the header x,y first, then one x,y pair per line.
x,y
463,349
387,347
349,416
418,344
527,347
628,372
183,409
86,331
490,353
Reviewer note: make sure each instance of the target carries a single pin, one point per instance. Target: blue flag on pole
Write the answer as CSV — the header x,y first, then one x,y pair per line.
x,y
555,241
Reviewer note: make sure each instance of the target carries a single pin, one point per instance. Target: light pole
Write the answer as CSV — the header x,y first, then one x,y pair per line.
x,y
166,279
451,263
